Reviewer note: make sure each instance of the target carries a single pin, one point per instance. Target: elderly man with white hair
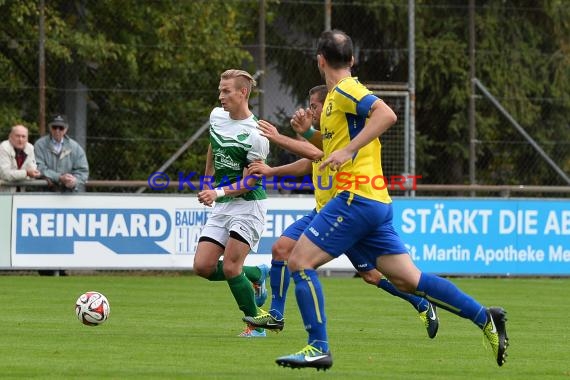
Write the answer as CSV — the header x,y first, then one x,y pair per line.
x,y
17,159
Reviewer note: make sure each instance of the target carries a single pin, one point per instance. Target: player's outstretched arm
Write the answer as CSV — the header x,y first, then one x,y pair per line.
x,y
298,168
298,147
302,124
209,171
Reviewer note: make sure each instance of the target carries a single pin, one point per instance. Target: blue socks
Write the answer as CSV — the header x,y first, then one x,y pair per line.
x,y
279,278
446,295
311,304
419,303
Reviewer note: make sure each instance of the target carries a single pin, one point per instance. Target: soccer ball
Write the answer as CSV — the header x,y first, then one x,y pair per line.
x,y
92,308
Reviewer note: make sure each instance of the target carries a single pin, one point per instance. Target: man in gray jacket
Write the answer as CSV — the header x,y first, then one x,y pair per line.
x,y
61,160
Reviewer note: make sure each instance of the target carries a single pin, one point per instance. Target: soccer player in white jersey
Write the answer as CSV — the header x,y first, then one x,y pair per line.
x,y
238,218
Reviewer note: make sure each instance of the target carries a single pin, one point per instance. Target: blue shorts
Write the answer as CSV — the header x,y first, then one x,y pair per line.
x,y
295,230
360,227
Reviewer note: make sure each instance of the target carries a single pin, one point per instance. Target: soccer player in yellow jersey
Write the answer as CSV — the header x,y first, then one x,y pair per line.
x,y
281,250
359,219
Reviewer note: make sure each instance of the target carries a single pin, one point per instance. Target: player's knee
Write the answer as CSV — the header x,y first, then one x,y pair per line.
x,y
202,270
232,268
294,264
371,277
298,263
368,279
280,251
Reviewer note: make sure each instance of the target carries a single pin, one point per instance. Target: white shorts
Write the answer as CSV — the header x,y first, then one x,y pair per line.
x,y
246,218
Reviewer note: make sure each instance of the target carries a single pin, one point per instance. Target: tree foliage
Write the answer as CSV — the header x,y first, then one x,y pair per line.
x,y
151,68
522,57
528,69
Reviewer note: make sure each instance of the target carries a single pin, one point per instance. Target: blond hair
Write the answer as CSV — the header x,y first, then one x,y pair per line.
x,y
243,79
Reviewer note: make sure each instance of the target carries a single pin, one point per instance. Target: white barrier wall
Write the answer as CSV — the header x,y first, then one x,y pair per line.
x,y
5,229
444,235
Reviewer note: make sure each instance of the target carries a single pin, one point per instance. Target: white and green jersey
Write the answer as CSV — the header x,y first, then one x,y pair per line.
x,y
236,143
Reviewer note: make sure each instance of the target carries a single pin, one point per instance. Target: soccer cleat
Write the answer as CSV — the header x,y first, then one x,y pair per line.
x,y
259,288
251,332
307,357
266,321
430,319
495,331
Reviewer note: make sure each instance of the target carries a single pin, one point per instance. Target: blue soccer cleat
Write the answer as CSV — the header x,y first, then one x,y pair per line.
x,y
308,357
259,288
251,332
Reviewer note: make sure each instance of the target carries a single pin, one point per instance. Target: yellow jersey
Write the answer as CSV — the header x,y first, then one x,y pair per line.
x,y
344,114
324,185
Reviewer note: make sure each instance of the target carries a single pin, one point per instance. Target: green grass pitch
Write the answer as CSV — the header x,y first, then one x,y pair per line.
x,y
177,326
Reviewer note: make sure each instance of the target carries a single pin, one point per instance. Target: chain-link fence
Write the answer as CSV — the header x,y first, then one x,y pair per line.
x,y
138,110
